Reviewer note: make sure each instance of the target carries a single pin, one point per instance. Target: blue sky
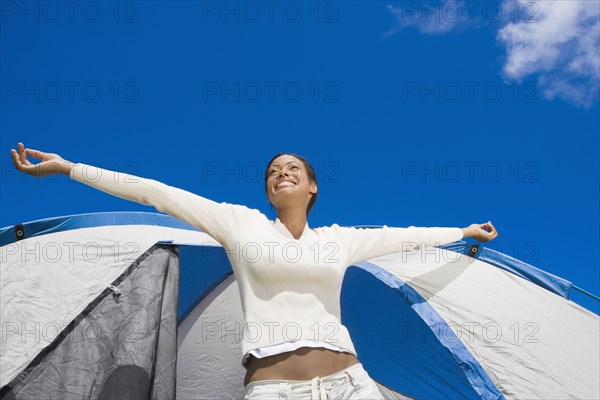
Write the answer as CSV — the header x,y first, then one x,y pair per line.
x,y
413,113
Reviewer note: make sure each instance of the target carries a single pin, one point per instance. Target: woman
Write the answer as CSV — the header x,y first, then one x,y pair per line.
x,y
289,275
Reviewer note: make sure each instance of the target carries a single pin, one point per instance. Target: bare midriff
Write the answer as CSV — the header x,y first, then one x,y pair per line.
x,y
304,363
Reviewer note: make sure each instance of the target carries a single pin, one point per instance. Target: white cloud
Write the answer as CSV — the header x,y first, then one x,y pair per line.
x,y
429,17
555,41
560,45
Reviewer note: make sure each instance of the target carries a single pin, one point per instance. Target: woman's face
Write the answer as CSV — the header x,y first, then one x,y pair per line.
x,y
288,184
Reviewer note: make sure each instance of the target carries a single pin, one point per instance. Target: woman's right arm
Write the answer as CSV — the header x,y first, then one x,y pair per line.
x,y
216,219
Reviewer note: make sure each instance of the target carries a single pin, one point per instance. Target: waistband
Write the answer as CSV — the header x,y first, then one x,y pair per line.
x,y
355,371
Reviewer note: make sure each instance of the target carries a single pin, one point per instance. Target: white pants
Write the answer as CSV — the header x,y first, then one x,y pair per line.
x,y
350,383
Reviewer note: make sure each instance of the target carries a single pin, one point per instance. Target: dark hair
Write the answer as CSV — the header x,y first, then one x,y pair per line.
x,y
312,176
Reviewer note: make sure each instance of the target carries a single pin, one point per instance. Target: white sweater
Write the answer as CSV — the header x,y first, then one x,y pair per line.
x,y
289,288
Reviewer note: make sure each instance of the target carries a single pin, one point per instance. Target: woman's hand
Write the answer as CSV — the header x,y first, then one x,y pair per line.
x,y
481,232
51,163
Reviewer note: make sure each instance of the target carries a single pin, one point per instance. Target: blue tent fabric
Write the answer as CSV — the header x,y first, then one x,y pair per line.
x,y
58,224
202,268
412,351
553,283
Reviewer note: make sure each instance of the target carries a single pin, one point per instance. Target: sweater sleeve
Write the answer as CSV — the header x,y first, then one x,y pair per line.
x,y
216,219
365,243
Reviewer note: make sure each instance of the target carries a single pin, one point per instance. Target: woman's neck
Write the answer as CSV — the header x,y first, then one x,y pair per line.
x,y
294,220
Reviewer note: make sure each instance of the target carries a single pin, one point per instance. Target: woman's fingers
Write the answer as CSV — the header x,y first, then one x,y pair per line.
x,y
23,155
21,161
486,232
18,155
35,153
493,229
15,158
50,163
19,164
490,230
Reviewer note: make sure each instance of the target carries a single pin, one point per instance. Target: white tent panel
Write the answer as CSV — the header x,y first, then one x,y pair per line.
x,y
532,343
209,340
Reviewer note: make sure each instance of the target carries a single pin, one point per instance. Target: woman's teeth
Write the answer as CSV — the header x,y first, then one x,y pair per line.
x,y
285,183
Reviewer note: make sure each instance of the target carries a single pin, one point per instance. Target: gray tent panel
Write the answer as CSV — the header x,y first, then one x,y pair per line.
x,y
123,346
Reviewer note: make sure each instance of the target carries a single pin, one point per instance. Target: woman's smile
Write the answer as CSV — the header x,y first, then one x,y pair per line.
x,y
285,183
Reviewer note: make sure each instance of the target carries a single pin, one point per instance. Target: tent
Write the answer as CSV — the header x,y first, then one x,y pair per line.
x,y
141,305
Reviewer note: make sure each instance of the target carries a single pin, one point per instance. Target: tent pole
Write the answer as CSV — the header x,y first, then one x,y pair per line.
x,y
593,296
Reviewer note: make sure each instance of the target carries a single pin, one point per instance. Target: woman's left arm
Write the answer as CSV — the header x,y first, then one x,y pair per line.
x,y
365,243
